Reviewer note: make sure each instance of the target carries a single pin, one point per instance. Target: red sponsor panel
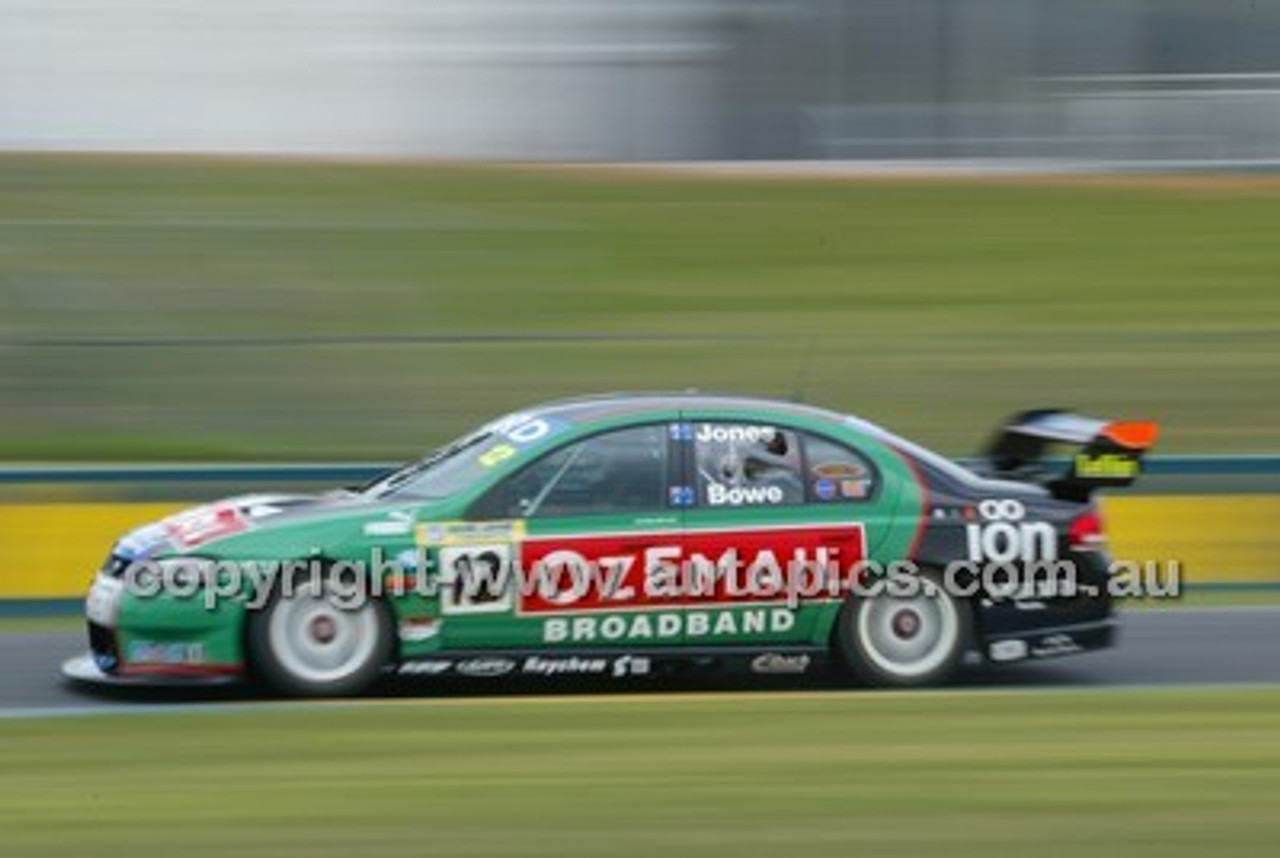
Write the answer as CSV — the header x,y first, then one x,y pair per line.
x,y
204,524
698,568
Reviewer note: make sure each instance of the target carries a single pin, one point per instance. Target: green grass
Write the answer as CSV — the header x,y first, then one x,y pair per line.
x,y
950,774
933,307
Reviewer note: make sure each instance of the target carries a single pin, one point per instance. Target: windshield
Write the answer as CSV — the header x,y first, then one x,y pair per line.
x,y
453,468
440,475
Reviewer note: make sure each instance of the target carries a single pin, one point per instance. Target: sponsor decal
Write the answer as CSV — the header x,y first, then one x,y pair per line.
x,y
567,666
159,652
517,431
425,667
667,625
533,665
137,544
839,470
848,479
855,489
1011,650
611,572
497,455
1056,644
631,665
470,532
776,662
1002,536
523,428
1108,466
418,629
204,524
485,667
682,496
825,489
265,506
399,523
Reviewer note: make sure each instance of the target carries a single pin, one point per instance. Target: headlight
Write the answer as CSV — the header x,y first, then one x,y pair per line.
x,y
173,576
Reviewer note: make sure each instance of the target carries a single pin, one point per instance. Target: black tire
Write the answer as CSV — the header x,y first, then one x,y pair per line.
x,y
305,643
904,642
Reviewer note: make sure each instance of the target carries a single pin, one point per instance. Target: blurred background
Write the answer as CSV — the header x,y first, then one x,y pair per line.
x,y
790,236
929,212
265,244
342,233
1142,81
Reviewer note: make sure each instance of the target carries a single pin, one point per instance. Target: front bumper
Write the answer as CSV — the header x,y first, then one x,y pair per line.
x,y
83,669
160,639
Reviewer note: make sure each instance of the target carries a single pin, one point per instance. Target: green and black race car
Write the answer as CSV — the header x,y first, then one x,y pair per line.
x,y
629,536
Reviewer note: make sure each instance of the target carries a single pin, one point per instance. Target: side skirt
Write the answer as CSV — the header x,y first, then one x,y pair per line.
x,y
619,663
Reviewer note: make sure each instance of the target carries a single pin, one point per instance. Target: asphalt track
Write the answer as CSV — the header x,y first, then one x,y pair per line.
x,y
1185,646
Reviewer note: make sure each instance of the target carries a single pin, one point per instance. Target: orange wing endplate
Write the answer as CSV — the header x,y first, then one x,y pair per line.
x,y
1133,436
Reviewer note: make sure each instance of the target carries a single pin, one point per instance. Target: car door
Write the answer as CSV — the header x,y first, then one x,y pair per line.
x,y
585,519
787,508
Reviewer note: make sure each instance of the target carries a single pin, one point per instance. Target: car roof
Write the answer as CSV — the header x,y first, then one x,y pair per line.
x,y
589,409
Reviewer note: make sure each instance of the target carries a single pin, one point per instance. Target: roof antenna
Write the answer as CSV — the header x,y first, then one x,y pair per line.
x,y
802,371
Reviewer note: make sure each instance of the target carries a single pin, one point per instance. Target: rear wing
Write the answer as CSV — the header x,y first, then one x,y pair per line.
x,y
1105,453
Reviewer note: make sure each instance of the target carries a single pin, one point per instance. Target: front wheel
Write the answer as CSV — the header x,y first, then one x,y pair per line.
x,y
904,641
306,643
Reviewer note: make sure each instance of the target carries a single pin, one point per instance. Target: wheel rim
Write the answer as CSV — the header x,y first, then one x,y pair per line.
x,y
909,637
316,641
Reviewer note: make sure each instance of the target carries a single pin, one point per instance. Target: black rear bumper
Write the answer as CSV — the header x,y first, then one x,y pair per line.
x,y
1050,641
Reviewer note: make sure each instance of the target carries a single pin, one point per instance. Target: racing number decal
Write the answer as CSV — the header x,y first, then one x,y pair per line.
x,y
474,563
476,579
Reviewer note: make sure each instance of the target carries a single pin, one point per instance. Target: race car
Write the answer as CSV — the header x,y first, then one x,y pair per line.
x,y
635,535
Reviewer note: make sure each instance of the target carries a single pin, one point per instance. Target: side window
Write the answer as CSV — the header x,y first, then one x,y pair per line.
x,y
835,473
617,472
747,465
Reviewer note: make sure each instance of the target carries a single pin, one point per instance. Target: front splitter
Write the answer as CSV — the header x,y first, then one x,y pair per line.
x,y
84,670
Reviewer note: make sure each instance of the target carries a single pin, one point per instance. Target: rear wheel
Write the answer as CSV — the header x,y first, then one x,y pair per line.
x,y
904,641
306,642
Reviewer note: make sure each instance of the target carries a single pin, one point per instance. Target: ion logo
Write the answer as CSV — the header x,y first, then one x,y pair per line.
x,y
1003,536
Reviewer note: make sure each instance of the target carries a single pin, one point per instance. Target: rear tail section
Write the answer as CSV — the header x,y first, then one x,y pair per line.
x,y
1101,453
